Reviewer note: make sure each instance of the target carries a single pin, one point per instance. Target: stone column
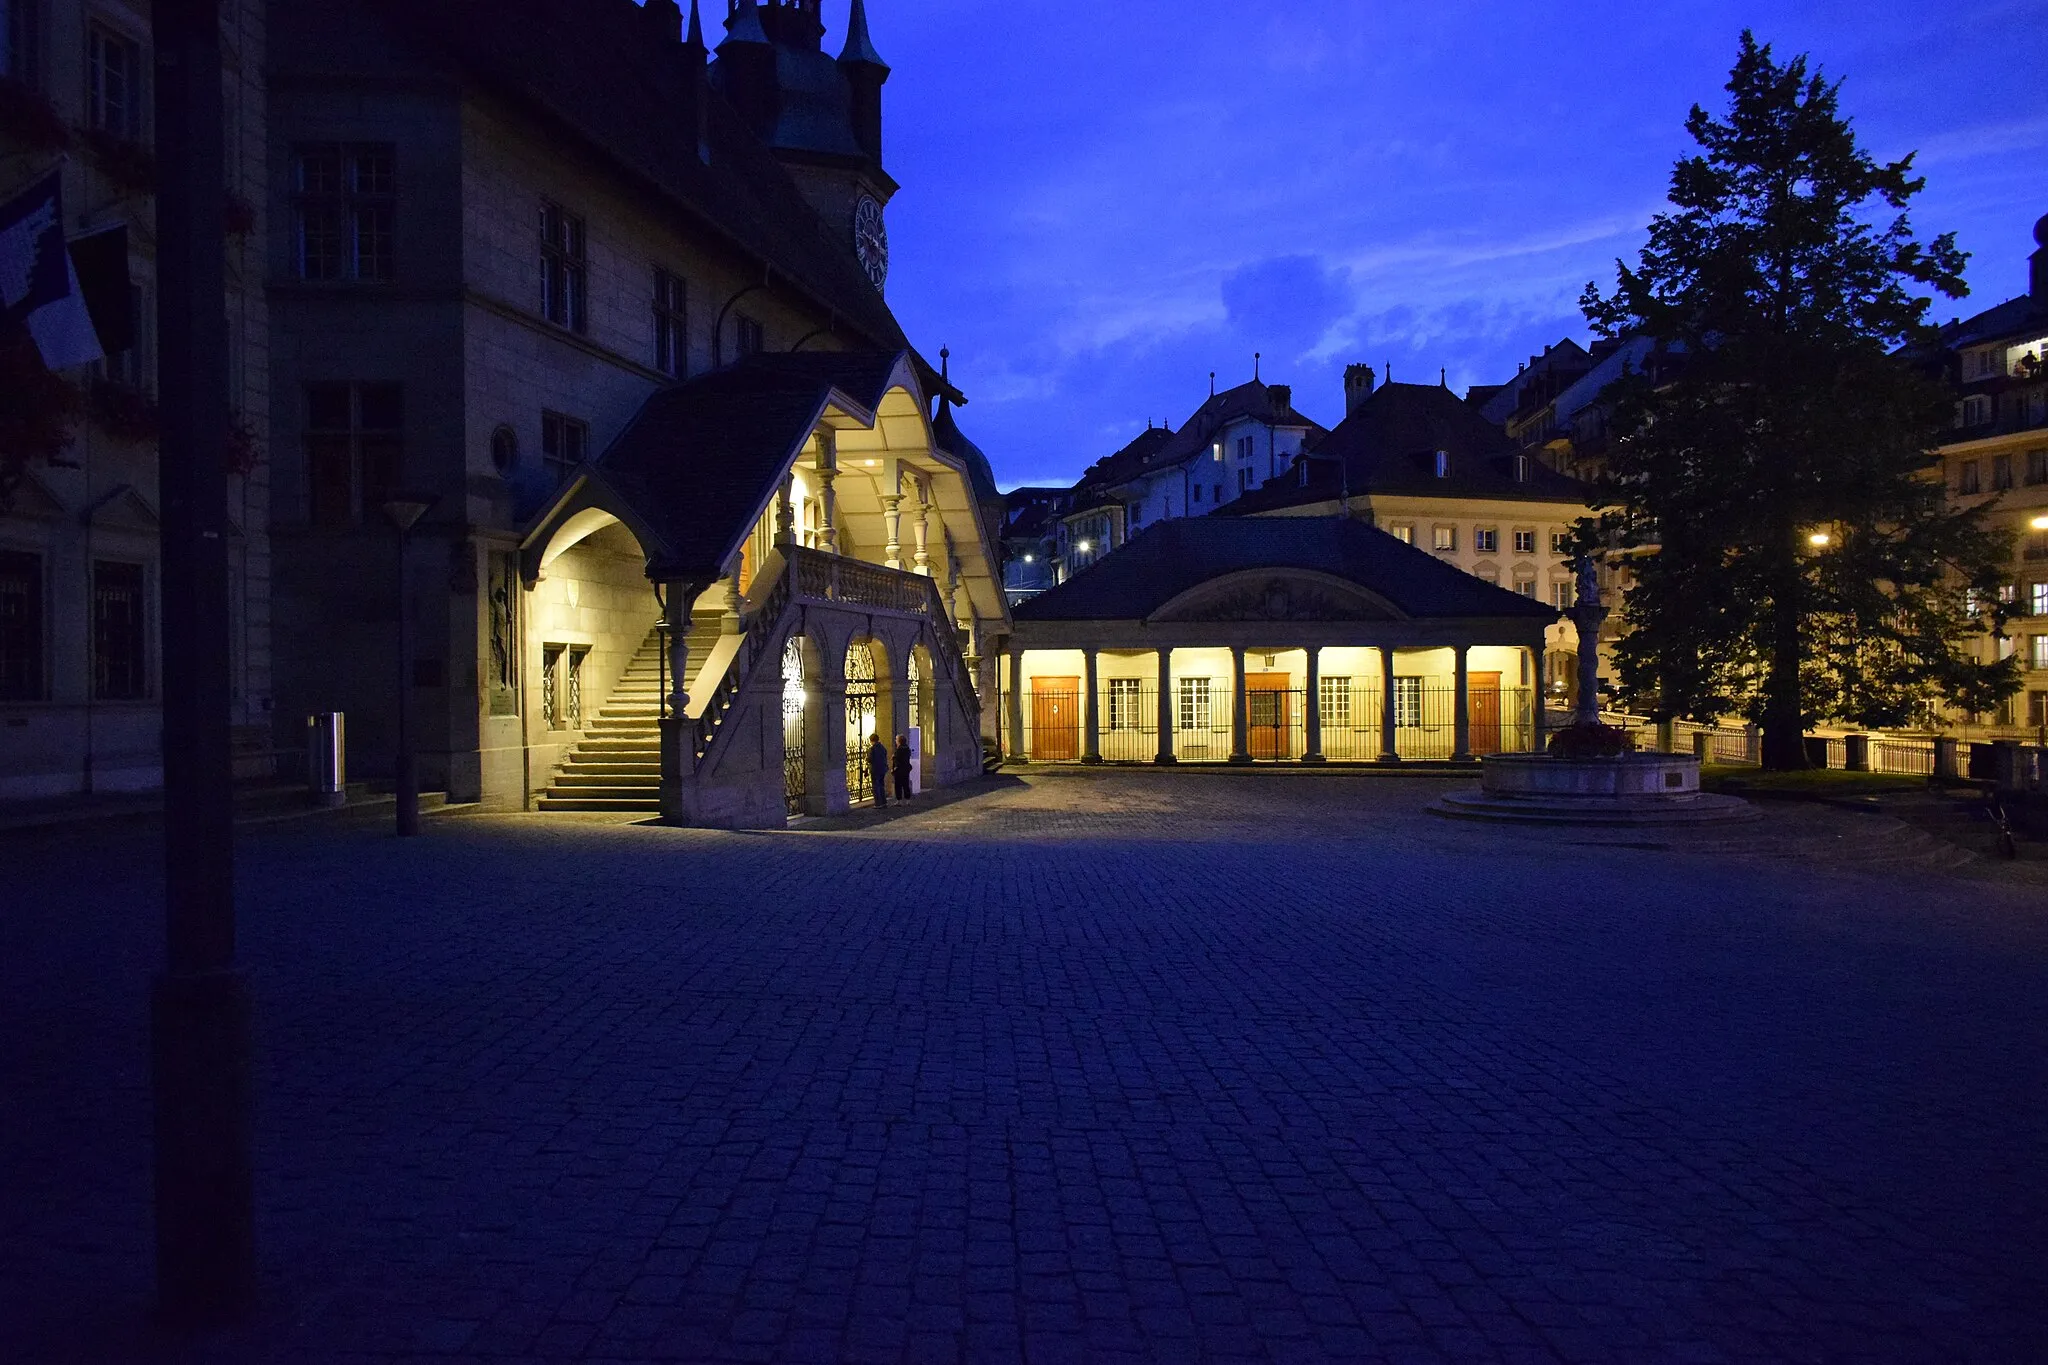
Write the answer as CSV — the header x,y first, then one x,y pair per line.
x,y
828,500
785,513
1166,756
1092,725
892,529
1389,751
1461,706
1015,748
825,784
678,748
921,528
1539,724
1240,717
1312,748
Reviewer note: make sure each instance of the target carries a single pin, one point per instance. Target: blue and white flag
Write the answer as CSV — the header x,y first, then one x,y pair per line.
x,y
38,284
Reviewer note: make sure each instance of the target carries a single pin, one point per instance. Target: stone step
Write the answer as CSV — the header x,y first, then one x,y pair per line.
x,y
618,746
583,777
614,765
640,792
619,804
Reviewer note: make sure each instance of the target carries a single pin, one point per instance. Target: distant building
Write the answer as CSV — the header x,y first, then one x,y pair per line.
x,y
1999,458
1031,537
80,586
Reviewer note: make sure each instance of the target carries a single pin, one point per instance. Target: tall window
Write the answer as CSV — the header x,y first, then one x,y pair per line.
x,y
2001,472
1526,586
1194,709
1525,542
1560,541
1563,594
2040,660
564,443
1336,702
671,313
21,40
1408,702
1404,534
21,626
2039,605
564,268
113,94
1486,540
119,615
1123,703
1968,480
2037,466
1443,464
344,210
1444,537
355,437
749,340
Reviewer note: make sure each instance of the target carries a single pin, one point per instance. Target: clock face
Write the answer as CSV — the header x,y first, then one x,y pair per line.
x,y
871,240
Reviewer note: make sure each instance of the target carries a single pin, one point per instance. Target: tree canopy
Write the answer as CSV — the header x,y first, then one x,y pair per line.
x,y
1793,556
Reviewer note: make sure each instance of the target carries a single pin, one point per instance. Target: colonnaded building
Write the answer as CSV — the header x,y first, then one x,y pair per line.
x,y
699,516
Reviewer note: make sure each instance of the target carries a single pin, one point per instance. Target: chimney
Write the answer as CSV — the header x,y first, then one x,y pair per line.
x,y
1281,396
2037,283
1358,384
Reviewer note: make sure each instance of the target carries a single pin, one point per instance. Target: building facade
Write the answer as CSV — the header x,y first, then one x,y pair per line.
x,y
522,251
1998,460
80,708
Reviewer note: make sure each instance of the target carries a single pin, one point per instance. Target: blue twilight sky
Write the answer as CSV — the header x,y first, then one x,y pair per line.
x,y
1104,202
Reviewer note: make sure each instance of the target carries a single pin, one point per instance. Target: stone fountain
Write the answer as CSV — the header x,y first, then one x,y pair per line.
x,y
1590,776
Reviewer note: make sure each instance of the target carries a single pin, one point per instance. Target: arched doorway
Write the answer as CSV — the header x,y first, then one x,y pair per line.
x,y
924,713
863,710
794,785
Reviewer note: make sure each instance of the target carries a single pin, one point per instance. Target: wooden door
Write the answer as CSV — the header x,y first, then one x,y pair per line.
x,y
1486,716
1056,719
1268,705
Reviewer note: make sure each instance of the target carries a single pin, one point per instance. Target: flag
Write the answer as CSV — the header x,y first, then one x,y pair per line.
x,y
38,283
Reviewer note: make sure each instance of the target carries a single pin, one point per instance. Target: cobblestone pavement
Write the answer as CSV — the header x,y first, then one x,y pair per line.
x,y
1106,1067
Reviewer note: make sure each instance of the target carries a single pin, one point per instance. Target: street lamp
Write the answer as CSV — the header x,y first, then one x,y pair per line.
x,y
1820,540
404,512
2039,523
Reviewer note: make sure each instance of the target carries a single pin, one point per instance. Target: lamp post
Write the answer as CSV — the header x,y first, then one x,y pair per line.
x,y
404,513
1588,614
200,1054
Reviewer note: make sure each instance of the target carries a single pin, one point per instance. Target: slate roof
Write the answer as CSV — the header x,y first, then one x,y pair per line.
x,y
603,70
1388,446
1172,557
2025,317
702,457
1164,449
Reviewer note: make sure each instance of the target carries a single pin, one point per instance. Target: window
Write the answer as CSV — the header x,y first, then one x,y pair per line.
x,y
1216,492
1336,702
671,313
1526,587
344,209
1522,468
2037,709
1195,709
129,366
2001,472
1973,411
2040,655
1408,702
1486,540
1560,542
2039,601
747,332
564,442
1967,479
1123,703
119,611
1490,575
1444,537
1563,594
1197,494
1525,542
1244,480
564,270
1443,464
1403,533
355,436
21,40
113,95
504,450
21,626
2037,466
2008,594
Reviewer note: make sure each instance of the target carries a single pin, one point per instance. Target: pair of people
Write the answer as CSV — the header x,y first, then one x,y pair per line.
x,y
883,766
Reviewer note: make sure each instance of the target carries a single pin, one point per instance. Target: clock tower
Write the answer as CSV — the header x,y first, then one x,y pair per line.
x,y
822,118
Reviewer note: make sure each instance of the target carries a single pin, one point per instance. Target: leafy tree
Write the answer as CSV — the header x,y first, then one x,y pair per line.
x,y
1798,556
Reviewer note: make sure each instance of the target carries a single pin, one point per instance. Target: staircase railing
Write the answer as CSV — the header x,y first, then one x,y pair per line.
x,y
829,580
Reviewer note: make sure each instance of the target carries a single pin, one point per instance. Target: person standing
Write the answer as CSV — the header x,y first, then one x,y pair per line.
x,y
900,767
878,769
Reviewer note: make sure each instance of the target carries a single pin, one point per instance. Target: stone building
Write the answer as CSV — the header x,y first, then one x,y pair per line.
x,y
1273,639
612,303
1999,458
80,708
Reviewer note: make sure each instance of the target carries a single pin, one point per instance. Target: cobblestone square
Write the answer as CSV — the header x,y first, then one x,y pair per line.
x,y
1083,1066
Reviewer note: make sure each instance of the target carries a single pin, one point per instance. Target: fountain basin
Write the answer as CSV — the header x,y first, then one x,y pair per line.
x,y
1629,789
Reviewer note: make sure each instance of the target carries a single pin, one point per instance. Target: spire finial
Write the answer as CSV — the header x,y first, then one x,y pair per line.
x,y
696,38
743,23
946,363
1256,358
1212,383
859,47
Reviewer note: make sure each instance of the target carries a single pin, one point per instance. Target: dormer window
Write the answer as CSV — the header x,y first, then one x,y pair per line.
x,y
1521,469
1443,464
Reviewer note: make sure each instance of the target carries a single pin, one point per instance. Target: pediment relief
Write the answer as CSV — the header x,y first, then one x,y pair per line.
x,y
1276,597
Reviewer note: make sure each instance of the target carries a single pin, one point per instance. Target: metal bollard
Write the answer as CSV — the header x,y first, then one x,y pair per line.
x,y
327,758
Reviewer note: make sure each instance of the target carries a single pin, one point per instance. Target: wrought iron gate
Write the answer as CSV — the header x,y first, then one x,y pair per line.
x,y
862,697
793,726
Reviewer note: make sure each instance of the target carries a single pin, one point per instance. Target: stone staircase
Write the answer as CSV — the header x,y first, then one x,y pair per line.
x,y
617,764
